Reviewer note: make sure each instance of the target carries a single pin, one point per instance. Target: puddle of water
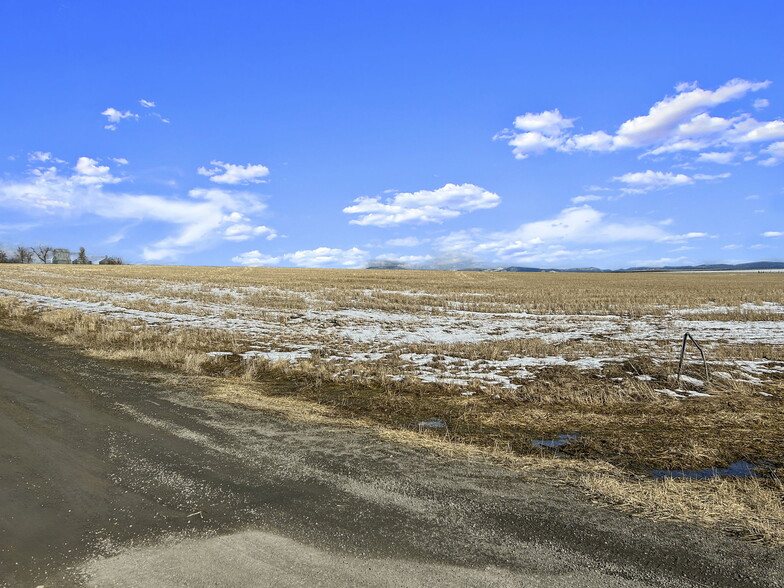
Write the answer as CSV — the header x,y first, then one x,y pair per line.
x,y
559,441
739,469
434,424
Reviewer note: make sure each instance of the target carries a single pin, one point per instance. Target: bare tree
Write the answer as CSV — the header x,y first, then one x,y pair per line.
x,y
24,255
42,252
82,257
3,256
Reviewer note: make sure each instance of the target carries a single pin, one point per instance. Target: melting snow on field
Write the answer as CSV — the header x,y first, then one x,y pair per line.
x,y
345,337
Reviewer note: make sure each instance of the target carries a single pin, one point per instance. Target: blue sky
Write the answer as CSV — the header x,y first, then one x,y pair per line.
x,y
432,134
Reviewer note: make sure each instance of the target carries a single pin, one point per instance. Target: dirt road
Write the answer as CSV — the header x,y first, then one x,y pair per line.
x,y
107,478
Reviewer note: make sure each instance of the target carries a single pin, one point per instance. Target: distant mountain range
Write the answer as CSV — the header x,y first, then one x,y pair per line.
x,y
756,265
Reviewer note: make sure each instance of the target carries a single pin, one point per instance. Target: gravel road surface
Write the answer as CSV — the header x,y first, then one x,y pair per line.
x,y
108,478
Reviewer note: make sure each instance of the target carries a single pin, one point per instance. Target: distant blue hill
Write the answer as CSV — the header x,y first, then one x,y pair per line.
x,y
755,265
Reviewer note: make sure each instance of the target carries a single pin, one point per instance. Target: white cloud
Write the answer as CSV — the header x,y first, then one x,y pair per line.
x,y
88,172
114,116
761,103
776,152
653,180
641,182
704,177
773,234
119,160
547,240
683,238
200,219
587,198
732,246
676,123
668,120
255,258
407,260
424,206
319,257
541,131
147,103
41,156
405,242
549,122
662,261
326,256
751,130
243,232
229,173
721,157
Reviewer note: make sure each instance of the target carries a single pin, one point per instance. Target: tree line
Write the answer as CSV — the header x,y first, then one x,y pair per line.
x,y
45,254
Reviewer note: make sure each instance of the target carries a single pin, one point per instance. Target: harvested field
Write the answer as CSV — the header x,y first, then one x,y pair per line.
x,y
495,360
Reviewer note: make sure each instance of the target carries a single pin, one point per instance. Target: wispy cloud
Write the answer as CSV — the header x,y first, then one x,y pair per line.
x,y
573,234
640,182
203,217
229,173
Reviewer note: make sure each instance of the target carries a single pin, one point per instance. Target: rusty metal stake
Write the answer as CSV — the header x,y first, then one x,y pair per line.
x,y
683,350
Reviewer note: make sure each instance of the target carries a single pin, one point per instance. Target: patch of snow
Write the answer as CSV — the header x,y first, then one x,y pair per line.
x,y
669,392
688,380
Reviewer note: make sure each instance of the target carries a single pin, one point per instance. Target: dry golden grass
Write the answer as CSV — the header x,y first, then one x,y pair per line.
x,y
630,295
625,425
749,508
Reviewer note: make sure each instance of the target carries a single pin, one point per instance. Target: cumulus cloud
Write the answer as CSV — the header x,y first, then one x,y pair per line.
x,y
114,116
229,173
319,257
147,103
255,258
202,217
773,234
424,206
243,232
536,132
88,172
640,182
680,122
